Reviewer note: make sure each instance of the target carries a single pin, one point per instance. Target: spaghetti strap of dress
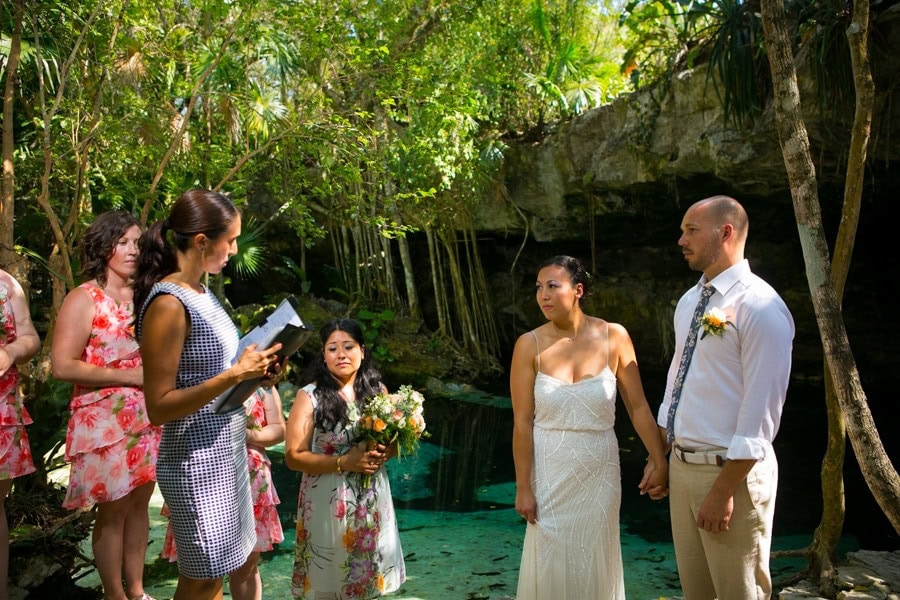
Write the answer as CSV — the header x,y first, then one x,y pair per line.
x,y
607,344
537,345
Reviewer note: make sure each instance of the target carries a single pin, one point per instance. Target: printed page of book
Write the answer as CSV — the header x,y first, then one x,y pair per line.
x,y
282,325
263,335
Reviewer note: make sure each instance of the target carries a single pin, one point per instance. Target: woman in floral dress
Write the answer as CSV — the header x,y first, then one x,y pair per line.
x,y
265,427
347,544
110,442
19,341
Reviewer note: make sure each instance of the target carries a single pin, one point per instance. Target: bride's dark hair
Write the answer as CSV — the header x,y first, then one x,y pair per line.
x,y
331,411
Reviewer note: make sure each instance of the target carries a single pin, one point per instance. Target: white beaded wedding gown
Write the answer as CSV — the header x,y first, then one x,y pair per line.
x,y
573,551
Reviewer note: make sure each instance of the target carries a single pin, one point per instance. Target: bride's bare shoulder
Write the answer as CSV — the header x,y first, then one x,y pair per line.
x,y
540,332
603,327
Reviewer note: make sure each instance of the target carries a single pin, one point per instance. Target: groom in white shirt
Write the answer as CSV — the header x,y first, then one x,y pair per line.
x,y
722,407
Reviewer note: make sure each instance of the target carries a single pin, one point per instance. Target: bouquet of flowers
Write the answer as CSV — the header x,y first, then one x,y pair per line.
x,y
389,418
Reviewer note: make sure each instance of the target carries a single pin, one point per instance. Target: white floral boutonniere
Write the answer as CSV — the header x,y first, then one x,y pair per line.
x,y
715,322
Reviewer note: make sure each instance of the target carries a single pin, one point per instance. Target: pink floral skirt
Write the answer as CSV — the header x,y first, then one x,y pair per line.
x,y
15,453
112,448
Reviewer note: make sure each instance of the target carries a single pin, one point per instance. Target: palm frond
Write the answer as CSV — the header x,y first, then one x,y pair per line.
x,y
252,255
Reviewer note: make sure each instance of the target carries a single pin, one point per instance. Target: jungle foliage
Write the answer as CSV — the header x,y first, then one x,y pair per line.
x,y
347,123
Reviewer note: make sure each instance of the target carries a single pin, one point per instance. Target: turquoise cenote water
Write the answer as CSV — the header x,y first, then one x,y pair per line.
x,y
460,533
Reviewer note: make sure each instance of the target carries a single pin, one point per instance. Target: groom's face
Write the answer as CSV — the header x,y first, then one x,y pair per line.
x,y
700,241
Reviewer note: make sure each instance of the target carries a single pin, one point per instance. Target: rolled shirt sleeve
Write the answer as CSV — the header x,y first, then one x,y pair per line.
x,y
766,346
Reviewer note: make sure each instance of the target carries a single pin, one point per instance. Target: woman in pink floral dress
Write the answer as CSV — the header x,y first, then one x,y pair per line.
x,y
110,442
19,341
265,427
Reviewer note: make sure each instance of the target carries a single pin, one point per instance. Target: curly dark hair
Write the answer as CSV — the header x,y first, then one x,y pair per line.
x,y
575,269
331,411
195,211
98,243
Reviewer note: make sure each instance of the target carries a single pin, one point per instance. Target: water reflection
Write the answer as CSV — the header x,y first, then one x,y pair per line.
x,y
474,440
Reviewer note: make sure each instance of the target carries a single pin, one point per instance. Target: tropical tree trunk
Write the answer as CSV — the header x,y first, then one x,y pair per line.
x,y
345,256
479,300
178,136
409,278
392,294
828,532
441,308
48,112
10,261
874,463
821,552
463,319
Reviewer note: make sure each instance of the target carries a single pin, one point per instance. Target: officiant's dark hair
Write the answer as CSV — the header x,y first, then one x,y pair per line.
x,y
331,410
195,211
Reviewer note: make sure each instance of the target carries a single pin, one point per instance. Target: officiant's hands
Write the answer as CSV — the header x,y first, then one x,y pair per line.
x,y
255,363
274,372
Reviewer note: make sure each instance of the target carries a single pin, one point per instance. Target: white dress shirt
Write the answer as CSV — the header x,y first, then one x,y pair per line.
x,y
735,388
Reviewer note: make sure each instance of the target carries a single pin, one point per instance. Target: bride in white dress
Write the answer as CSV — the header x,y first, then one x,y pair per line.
x,y
563,383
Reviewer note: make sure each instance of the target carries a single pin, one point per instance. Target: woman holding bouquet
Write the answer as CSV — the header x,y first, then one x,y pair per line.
x,y
347,544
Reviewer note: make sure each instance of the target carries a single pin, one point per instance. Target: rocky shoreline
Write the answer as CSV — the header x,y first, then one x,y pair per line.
x,y
864,575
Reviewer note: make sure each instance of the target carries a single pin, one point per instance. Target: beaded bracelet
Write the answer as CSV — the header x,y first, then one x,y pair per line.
x,y
339,469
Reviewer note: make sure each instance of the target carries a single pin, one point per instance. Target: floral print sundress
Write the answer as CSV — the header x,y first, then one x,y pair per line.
x,y
15,452
110,442
265,499
347,543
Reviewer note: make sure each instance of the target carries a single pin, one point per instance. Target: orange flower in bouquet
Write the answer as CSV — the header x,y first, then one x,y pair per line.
x,y
393,418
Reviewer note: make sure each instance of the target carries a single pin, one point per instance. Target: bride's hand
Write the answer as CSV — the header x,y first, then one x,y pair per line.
x,y
526,505
655,482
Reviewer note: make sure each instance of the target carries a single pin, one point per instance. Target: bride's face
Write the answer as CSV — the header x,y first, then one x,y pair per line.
x,y
555,293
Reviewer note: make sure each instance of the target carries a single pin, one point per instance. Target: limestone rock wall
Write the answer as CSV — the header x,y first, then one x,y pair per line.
x,y
646,143
611,185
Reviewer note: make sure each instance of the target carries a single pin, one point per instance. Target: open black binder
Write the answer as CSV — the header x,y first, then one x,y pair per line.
x,y
282,326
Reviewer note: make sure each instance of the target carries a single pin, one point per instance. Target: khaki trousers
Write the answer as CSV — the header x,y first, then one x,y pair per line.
x,y
734,564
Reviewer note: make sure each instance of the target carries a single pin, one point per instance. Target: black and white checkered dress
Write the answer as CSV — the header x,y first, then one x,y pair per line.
x,y
202,465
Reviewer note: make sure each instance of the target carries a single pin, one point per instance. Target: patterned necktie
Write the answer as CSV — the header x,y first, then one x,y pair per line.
x,y
686,355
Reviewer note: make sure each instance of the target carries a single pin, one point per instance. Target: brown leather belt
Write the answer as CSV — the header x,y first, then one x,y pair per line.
x,y
699,457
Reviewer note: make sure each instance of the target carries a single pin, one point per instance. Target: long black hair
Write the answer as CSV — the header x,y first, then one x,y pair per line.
x,y
331,412
195,211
